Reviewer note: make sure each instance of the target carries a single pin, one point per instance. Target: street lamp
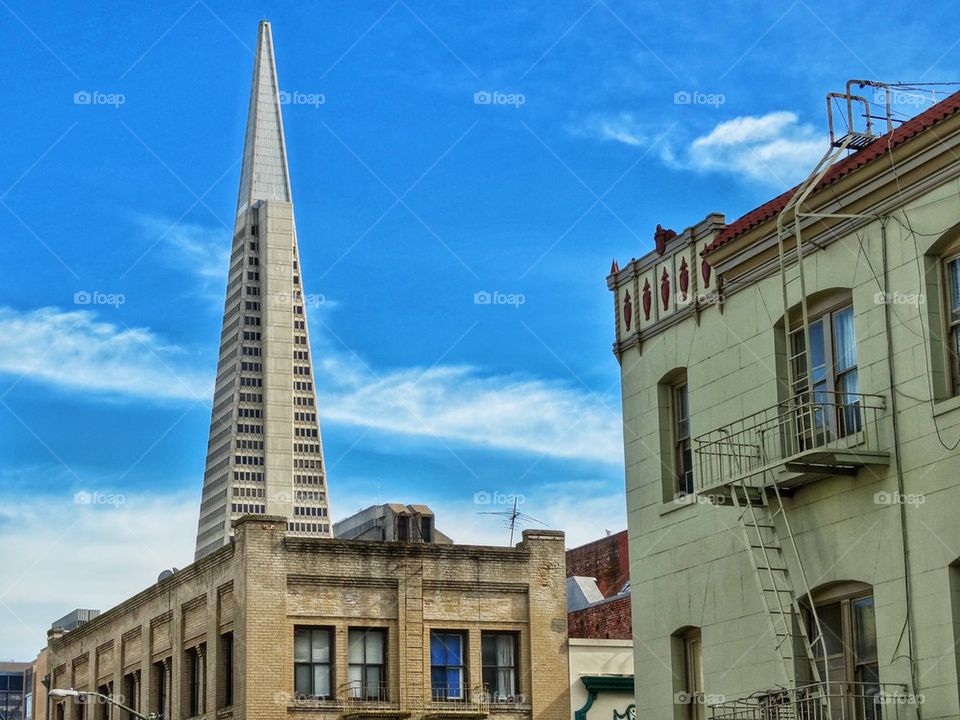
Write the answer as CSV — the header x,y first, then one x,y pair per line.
x,y
70,692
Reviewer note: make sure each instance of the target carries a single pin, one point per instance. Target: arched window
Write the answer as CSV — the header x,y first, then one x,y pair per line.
x,y
942,270
686,651
676,452
846,656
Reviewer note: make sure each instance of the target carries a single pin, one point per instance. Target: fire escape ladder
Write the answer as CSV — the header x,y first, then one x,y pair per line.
x,y
759,511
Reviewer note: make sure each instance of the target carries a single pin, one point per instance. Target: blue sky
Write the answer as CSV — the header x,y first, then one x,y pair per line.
x,y
437,151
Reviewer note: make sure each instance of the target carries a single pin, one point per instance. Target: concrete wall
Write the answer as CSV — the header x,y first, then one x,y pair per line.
x,y
687,565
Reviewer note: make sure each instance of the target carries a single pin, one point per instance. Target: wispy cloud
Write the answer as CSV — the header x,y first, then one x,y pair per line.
x,y
199,250
466,521
76,350
461,404
619,127
773,148
102,552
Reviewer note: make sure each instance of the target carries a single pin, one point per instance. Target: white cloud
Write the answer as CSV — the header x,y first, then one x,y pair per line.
x,y
73,349
621,127
59,555
78,351
200,250
460,404
467,522
773,148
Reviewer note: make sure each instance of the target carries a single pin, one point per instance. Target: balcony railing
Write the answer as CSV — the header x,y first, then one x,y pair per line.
x,y
832,434
833,701
364,699
360,698
456,700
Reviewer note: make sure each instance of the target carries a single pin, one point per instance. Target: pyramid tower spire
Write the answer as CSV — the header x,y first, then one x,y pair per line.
x,y
264,455
264,175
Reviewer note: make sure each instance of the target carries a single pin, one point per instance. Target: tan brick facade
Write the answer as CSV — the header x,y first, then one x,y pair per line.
x,y
265,584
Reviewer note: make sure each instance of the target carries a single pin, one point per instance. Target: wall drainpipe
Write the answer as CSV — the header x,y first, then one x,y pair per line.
x,y
914,680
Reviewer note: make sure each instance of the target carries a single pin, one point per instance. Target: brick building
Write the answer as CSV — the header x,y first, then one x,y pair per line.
x,y
598,576
274,626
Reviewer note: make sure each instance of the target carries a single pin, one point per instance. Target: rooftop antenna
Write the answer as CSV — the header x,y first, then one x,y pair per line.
x,y
512,517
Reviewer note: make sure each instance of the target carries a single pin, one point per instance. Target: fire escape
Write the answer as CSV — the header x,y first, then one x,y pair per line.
x,y
754,463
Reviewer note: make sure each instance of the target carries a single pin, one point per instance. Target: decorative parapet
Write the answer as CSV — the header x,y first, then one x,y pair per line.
x,y
664,286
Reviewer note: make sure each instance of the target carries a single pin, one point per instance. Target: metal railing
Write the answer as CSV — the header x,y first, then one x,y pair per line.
x,y
822,701
457,698
366,695
359,697
792,428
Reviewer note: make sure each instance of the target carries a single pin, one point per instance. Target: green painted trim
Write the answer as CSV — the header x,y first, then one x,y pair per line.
x,y
581,714
608,683
602,683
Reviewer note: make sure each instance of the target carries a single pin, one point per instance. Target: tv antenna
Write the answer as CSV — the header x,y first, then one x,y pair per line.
x,y
512,516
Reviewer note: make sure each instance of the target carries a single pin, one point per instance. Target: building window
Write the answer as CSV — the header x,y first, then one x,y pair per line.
x,y
682,453
847,653
426,529
311,658
160,682
130,698
499,651
102,706
226,657
688,673
834,411
367,663
447,665
952,268
195,677
403,528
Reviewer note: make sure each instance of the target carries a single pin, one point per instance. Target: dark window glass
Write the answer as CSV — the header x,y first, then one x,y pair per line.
x,y
311,662
367,657
499,651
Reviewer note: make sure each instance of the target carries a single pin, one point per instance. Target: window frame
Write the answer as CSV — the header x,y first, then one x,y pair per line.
x,y
382,692
681,440
226,645
951,326
492,694
853,663
446,696
310,664
197,670
838,423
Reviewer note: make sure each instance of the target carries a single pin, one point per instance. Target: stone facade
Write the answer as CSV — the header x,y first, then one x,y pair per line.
x,y
886,529
249,596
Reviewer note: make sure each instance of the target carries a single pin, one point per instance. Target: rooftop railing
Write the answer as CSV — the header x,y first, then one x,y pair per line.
x,y
831,430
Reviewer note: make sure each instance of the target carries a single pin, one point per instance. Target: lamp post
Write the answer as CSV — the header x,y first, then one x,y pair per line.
x,y
70,692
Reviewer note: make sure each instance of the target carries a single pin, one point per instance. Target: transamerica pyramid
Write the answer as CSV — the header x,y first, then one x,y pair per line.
x,y
264,455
